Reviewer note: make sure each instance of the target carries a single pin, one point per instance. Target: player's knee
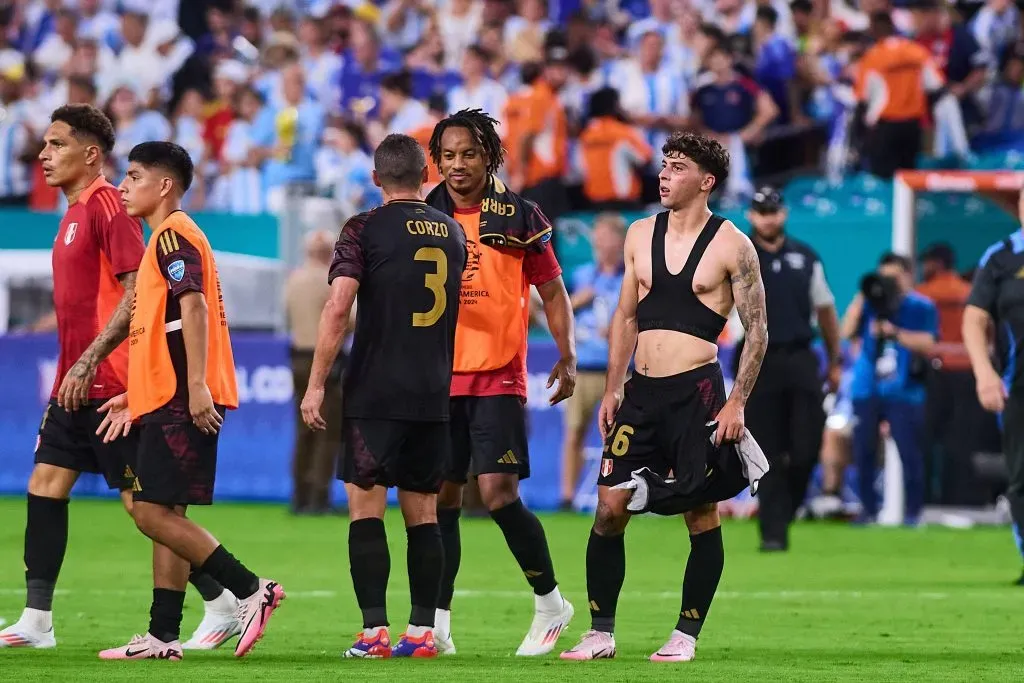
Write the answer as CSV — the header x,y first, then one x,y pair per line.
x,y
704,518
498,490
48,481
610,520
148,517
450,496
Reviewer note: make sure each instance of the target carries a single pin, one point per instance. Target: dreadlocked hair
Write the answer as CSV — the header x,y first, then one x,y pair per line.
x,y
482,128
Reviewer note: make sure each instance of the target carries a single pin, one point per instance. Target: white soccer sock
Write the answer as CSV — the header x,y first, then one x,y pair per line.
x,y
371,633
225,603
443,622
417,631
685,636
38,619
552,602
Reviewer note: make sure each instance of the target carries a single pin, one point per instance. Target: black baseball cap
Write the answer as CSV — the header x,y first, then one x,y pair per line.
x,y
767,199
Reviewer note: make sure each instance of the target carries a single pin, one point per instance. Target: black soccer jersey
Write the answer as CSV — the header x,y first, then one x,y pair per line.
x,y
408,258
999,289
794,288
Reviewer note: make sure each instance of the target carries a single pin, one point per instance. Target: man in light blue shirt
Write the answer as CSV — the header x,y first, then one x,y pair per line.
x,y
595,294
888,384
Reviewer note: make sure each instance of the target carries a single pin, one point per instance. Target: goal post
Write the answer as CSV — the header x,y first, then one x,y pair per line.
x,y
907,185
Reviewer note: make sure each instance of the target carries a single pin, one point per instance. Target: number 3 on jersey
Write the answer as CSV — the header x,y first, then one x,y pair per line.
x,y
435,283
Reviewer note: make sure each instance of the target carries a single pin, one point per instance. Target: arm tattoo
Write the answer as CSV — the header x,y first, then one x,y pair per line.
x,y
116,330
748,293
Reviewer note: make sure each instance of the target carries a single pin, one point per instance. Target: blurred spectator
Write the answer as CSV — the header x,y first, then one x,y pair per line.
x,y
459,23
427,67
281,50
403,22
305,292
220,34
594,291
322,67
1003,102
804,24
502,69
399,112
775,65
364,66
228,77
660,21
539,138
955,51
996,26
345,171
478,89
733,109
133,124
188,132
16,136
288,138
681,51
612,152
894,79
139,65
238,187
654,95
99,24
55,49
525,32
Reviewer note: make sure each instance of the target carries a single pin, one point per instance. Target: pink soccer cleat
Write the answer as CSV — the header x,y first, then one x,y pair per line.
x,y
145,647
593,645
254,613
679,648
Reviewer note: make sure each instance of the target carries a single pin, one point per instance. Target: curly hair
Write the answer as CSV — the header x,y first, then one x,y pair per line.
x,y
87,120
706,152
481,126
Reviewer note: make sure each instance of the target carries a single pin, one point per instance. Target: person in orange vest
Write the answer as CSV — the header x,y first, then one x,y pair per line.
x,y
437,107
612,152
508,241
181,382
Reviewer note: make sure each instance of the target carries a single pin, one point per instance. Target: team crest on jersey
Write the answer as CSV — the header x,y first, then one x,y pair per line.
x,y
69,234
796,260
606,466
176,269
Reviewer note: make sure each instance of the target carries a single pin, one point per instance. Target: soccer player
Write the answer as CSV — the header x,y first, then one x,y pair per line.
x,y
181,380
404,260
685,270
508,239
95,259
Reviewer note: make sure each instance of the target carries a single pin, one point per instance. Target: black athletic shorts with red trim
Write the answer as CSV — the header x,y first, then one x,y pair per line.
x,y
177,463
662,424
410,455
69,440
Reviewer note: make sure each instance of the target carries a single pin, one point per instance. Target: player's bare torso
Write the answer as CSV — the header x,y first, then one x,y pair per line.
x,y
660,353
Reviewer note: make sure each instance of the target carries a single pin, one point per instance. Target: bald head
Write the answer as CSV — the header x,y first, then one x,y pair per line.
x,y
319,245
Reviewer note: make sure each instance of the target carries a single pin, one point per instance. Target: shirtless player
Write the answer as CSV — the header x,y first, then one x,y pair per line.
x,y
685,270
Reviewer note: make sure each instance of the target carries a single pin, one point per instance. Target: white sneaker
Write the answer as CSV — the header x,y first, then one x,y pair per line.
x,y
593,645
216,628
28,632
679,648
24,634
544,631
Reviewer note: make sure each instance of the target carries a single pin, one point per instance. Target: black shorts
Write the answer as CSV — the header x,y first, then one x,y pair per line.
x,y
662,424
177,463
69,440
488,437
407,454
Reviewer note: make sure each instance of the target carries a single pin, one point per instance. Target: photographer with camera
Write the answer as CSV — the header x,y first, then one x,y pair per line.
x,y
897,328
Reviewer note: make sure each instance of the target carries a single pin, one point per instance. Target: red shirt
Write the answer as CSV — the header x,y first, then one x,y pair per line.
x,y
539,268
97,242
215,128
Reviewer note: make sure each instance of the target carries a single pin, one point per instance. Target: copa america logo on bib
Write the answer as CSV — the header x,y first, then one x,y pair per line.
x,y
176,270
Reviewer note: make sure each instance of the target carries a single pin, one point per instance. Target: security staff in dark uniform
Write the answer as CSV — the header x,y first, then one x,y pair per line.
x,y
997,296
785,412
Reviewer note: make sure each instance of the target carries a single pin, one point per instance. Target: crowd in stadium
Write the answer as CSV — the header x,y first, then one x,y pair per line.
x,y
270,94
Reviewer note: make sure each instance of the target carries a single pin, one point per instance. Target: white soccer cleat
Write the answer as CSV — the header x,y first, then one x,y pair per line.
x,y
544,631
145,647
679,648
24,634
593,645
444,643
214,630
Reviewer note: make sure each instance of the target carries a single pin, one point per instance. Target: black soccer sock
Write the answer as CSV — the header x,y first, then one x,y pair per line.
x,y
46,541
700,581
448,521
165,614
205,584
370,564
230,573
425,559
606,570
525,538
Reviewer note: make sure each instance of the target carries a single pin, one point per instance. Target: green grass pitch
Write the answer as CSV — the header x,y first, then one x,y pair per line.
x,y
847,604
